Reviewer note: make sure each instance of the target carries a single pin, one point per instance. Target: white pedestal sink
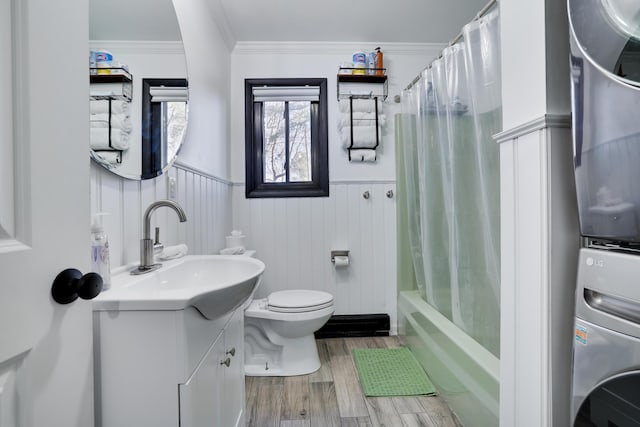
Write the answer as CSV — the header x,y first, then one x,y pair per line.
x,y
214,284
169,345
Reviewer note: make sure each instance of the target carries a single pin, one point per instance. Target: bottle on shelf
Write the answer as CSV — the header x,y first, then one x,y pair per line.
x,y
379,62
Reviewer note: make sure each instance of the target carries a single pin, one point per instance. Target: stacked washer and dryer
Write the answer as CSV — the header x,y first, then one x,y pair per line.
x,y
605,72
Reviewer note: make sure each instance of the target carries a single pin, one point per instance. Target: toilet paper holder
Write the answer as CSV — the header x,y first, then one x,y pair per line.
x,y
334,254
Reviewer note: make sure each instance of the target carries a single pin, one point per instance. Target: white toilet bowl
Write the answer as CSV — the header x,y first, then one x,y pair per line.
x,y
279,331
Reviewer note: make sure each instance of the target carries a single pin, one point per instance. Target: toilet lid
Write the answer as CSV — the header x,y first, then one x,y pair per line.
x,y
297,301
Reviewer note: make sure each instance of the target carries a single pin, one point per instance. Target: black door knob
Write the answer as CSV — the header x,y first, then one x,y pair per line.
x,y
71,284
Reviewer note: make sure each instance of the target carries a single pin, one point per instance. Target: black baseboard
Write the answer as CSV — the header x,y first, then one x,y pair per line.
x,y
355,325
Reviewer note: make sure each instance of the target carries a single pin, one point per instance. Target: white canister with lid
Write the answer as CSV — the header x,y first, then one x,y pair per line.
x,y
235,240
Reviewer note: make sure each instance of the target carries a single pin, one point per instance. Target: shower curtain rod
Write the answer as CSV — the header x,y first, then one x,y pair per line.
x,y
455,40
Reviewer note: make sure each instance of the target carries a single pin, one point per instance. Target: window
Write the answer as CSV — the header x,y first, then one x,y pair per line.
x,y
286,138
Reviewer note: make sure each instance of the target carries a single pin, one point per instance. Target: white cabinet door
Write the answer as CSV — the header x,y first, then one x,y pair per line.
x,y
214,394
201,397
45,347
234,374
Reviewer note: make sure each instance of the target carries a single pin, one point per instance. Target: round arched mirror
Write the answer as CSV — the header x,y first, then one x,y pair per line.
x,y
139,86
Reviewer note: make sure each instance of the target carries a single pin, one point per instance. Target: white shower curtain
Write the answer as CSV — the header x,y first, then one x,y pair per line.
x,y
453,198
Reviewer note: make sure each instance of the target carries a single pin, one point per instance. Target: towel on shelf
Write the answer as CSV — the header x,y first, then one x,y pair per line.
x,y
363,136
102,106
99,139
238,250
173,252
361,119
360,105
363,155
118,121
110,157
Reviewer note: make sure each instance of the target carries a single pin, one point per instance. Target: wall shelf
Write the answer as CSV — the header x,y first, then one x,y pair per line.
x,y
372,84
115,84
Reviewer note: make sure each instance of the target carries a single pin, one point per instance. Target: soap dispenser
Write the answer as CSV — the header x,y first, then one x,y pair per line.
x,y
100,251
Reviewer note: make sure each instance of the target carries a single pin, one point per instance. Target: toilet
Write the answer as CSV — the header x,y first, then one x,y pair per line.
x,y
279,329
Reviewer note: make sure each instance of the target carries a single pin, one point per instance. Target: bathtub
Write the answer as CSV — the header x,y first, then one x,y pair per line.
x,y
465,373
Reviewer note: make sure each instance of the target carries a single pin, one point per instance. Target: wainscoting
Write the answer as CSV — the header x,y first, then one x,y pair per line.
x,y
206,200
294,238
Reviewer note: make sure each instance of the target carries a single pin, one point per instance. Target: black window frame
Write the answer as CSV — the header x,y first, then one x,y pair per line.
x,y
152,126
255,187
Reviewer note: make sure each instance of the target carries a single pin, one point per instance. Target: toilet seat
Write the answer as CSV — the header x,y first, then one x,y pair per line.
x,y
298,301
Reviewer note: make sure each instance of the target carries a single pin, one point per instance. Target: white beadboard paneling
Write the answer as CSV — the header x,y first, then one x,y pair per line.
x,y
206,200
294,237
539,246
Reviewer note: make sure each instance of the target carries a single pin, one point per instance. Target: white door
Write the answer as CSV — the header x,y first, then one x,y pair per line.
x,y
45,348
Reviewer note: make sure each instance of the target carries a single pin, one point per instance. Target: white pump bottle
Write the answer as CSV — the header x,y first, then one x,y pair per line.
x,y
100,251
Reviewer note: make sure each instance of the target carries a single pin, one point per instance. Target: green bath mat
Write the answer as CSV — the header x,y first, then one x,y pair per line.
x,y
391,372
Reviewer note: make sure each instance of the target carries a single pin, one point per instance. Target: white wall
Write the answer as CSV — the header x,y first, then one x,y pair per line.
x,y
206,200
208,64
294,236
279,60
539,232
201,187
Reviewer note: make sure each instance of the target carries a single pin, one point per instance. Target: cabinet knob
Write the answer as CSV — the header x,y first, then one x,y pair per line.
x,y
232,352
226,362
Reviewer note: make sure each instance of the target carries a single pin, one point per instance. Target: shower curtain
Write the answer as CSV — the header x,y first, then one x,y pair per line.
x,y
451,166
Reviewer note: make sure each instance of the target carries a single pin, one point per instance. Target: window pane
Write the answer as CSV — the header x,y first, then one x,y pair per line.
x,y
300,141
274,153
176,123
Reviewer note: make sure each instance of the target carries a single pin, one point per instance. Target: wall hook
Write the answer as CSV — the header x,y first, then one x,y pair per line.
x,y
390,194
366,194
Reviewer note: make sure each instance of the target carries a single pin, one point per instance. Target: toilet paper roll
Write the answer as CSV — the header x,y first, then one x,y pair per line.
x,y
341,261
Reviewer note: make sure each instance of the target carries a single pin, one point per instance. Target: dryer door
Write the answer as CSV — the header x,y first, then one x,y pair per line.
x,y
608,32
614,403
605,72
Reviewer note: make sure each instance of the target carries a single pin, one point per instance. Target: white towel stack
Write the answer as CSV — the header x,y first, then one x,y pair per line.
x,y
102,106
111,158
110,132
363,118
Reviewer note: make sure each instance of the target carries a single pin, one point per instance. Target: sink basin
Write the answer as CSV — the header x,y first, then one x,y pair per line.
x,y
213,284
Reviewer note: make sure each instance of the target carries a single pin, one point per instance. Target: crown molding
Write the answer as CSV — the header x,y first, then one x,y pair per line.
x,y
138,47
320,48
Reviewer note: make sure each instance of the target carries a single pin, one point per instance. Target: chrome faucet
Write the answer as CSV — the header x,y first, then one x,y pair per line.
x,y
146,243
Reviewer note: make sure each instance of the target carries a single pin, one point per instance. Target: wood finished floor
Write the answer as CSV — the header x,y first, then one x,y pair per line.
x,y
332,396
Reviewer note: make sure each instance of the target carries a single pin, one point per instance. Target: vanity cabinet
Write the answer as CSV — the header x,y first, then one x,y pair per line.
x,y
168,368
214,394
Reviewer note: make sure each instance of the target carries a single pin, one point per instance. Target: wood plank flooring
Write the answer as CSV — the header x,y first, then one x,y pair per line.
x,y
332,396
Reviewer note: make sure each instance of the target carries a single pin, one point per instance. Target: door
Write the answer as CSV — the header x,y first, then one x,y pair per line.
x,y
201,397
45,348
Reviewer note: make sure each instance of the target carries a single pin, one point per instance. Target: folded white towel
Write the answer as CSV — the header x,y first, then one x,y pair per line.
x,y
102,106
118,121
238,250
361,119
363,136
110,157
99,139
173,252
363,155
360,106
